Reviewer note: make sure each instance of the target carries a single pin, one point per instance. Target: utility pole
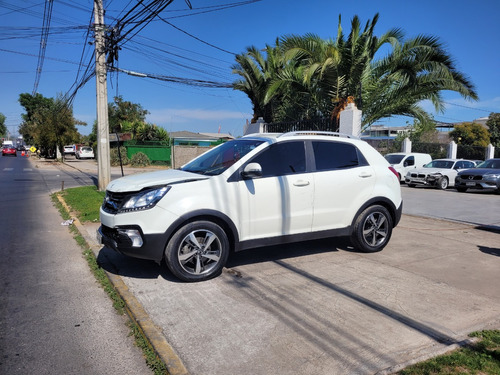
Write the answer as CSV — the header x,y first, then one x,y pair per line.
x,y
103,159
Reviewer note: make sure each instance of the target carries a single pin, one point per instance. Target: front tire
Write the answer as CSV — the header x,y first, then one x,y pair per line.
x,y
442,183
461,189
372,229
198,251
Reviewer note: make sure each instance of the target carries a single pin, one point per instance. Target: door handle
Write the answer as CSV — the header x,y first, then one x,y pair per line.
x,y
301,183
365,174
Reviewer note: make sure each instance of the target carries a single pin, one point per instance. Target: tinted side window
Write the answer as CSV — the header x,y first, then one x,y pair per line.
x,y
282,159
409,161
336,155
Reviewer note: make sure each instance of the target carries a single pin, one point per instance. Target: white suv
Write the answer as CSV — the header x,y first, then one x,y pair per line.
x,y
258,190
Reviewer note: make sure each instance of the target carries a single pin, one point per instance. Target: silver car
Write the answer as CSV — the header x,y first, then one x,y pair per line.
x,y
438,173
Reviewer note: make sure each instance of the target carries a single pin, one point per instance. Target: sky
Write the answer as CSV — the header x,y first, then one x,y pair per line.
x,y
201,44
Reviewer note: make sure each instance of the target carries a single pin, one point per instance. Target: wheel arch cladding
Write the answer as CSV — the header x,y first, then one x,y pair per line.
x,y
394,211
216,217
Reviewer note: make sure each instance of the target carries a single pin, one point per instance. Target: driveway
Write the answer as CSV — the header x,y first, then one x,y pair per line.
x,y
321,308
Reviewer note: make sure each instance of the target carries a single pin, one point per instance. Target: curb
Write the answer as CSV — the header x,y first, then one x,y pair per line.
x,y
134,309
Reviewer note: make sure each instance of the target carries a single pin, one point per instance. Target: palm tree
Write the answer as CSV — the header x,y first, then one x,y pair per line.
x,y
306,76
256,71
419,69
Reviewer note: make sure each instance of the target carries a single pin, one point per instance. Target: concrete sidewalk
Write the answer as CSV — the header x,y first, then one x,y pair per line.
x,y
319,307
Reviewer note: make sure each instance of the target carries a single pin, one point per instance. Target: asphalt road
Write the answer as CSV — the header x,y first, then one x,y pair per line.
x,y
475,206
54,318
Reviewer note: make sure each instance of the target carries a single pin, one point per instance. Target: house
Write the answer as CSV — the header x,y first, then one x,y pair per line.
x,y
384,132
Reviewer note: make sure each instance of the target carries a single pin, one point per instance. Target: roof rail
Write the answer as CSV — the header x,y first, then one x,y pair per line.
x,y
314,132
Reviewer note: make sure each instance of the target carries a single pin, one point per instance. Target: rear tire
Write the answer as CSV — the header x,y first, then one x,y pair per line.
x,y
372,229
198,251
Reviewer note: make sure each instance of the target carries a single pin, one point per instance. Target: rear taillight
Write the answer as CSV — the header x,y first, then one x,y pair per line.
x,y
394,171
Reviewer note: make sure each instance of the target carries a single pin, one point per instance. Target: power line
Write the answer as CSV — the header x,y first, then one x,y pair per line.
x,y
475,109
179,80
43,42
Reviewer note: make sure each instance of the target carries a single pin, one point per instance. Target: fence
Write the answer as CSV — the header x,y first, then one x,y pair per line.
x,y
471,152
157,152
435,150
323,124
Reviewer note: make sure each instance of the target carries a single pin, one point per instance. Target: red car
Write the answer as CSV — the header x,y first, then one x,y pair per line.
x,y
9,150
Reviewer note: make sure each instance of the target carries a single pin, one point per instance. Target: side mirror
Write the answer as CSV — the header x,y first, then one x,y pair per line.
x,y
252,170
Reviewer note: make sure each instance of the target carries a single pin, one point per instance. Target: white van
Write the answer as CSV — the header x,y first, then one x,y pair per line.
x,y
402,162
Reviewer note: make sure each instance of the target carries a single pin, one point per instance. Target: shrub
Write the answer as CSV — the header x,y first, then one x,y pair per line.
x,y
115,159
140,159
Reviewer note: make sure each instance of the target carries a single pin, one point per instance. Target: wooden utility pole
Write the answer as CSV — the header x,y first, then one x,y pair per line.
x,y
103,159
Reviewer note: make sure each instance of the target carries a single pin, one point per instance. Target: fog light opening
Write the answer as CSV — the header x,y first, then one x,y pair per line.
x,y
135,237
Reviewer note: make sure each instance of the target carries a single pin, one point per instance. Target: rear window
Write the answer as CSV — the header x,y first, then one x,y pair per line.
x,y
336,155
394,159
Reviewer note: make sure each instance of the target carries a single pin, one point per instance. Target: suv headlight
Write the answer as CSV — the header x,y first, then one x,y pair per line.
x,y
145,199
491,177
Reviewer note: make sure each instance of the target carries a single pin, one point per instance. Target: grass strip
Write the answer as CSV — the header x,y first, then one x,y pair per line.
x,y
481,358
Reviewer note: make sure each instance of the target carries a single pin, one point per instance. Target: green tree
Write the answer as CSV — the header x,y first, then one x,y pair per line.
x,y
470,134
48,123
123,113
3,128
493,124
32,104
319,77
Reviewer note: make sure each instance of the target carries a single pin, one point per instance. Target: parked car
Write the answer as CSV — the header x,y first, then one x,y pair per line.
x,y
258,190
85,152
9,150
70,150
403,162
485,176
439,173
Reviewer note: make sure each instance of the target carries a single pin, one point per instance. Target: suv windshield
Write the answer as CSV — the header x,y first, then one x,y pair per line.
x,y
219,159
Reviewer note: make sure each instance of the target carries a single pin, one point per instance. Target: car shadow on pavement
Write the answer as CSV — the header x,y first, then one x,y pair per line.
x,y
489,250
123,265
291,250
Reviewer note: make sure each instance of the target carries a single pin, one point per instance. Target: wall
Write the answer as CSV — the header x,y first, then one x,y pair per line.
x,y
184,154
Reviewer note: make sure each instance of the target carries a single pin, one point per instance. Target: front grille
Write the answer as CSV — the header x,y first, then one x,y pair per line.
x,y
114,201
468,177
417,175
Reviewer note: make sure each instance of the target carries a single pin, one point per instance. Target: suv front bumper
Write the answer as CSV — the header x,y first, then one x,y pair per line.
x,y
131,241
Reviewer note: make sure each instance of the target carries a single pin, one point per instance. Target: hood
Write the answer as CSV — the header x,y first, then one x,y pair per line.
x,y
480,171
140,181
430,170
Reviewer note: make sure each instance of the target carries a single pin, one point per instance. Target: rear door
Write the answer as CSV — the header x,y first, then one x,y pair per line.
x,y
343,182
